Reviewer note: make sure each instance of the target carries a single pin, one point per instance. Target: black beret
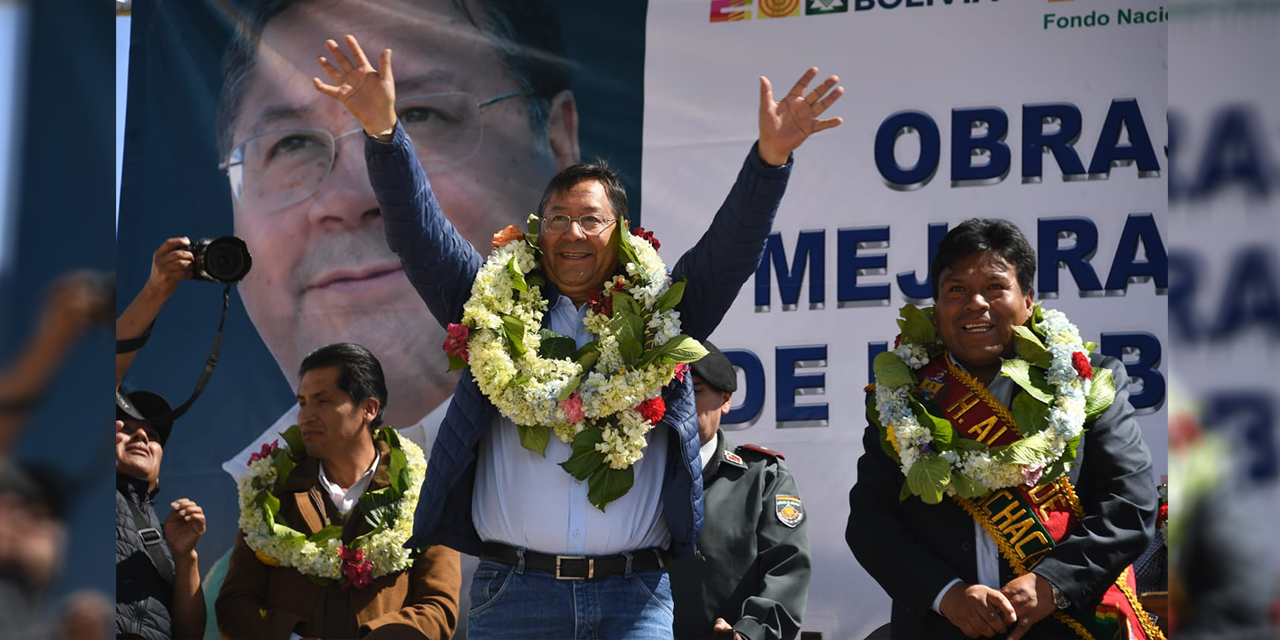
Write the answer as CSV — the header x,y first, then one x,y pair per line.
x,y
716,370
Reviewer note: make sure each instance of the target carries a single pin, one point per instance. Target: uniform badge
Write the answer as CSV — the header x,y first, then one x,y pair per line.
x,y
734,458
789,510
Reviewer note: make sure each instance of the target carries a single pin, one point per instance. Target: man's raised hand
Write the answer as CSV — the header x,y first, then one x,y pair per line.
x,y
368,93
786,123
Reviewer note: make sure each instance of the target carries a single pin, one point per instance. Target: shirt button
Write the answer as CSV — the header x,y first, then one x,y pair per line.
x,y
577,534
577,483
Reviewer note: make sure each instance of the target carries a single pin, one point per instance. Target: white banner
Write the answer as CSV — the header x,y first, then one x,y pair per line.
x,y
965,89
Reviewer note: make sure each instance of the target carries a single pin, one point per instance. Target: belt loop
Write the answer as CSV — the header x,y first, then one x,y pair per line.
x,y
627,555
520,560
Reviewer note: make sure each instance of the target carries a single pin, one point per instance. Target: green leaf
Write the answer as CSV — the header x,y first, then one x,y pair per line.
x,y
456,362
623,303
607,485
626,253
1028,377
966,487
929,477
1063,464
585,460
284,466
1029,414
629,330
672,297
326,534
515,333
680,349
942,431
569,387
915,325
967,444
535,438
535,279
1030,348
1090,347
535,224
517,278
587,357
891,371
398,470
293,439
904,492
515,382
379,506
1028,450
1101,394
556,346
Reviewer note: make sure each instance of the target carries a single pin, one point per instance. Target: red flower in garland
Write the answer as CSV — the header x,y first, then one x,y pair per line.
x,y
652,409
681,369
1081,363
456,343
619,284
1163,515
357,572
647,235
897,341
601,304
265,453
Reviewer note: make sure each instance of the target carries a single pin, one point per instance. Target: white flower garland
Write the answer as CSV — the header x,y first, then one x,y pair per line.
x,y
608,389
1065,419
384,548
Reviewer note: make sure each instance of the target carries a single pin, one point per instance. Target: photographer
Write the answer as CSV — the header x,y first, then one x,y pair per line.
x,y
158,591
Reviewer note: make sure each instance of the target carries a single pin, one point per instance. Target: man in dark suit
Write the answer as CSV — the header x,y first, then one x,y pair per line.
x,y
1044,556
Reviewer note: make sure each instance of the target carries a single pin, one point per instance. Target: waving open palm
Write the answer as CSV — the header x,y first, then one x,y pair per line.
x,y
368,93
786,123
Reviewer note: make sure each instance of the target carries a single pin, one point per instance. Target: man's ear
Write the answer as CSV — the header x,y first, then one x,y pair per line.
x,y
370,408
728,403
562,129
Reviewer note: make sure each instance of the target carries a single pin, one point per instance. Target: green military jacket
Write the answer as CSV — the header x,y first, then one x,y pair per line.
x,y
755,543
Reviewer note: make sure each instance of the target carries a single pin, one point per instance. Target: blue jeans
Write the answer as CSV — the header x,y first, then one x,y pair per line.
x,y
512,602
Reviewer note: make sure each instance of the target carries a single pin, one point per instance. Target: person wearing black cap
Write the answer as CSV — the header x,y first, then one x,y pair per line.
x,y
755,579
158,593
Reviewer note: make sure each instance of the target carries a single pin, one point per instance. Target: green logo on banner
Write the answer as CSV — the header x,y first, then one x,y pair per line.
x,y
812,7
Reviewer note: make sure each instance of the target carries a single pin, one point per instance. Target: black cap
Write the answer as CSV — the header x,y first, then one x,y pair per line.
x,y
147,404
715,369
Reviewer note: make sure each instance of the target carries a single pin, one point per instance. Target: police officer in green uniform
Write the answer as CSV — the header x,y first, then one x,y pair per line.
x,y
754,579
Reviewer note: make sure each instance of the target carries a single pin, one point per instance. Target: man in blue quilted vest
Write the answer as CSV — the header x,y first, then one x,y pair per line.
x,y
558,559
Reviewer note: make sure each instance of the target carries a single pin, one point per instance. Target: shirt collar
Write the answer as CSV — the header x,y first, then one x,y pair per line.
x,y
346,500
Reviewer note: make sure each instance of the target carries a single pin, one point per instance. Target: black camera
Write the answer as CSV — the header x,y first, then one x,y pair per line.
x,y
224,259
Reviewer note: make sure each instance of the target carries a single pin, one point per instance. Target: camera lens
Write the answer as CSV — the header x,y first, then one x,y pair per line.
x,y
224,259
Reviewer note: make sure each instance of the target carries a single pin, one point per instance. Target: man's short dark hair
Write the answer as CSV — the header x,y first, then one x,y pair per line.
x,y
526,34
359,373
598,171
978,235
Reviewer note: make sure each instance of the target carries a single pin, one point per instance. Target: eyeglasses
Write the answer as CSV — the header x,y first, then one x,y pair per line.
x,y
282,167
591,224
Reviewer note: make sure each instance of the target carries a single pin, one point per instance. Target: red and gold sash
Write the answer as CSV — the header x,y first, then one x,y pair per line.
x,y
1027,522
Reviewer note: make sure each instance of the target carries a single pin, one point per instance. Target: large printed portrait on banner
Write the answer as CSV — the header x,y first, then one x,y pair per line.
x,y
226,135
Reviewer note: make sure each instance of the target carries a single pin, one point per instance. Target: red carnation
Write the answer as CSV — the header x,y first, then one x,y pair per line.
x,y
265,453
652,409
1081,362
897,341
681,369
1163,515
456,343
619,284
647,235
357,572
601,304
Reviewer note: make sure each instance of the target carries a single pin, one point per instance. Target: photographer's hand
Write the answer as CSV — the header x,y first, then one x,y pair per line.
x,y
170,264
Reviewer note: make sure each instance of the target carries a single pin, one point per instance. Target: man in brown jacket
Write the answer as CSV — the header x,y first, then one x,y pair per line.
x,y
341,398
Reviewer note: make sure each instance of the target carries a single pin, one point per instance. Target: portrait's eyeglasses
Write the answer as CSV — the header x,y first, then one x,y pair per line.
x,y
591,224
281,167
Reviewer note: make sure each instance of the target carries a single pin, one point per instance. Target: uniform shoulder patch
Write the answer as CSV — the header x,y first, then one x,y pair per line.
x,y
789,510
765,450
734,459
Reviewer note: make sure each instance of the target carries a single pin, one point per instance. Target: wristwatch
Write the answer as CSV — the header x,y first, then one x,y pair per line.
x,y
1059,598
